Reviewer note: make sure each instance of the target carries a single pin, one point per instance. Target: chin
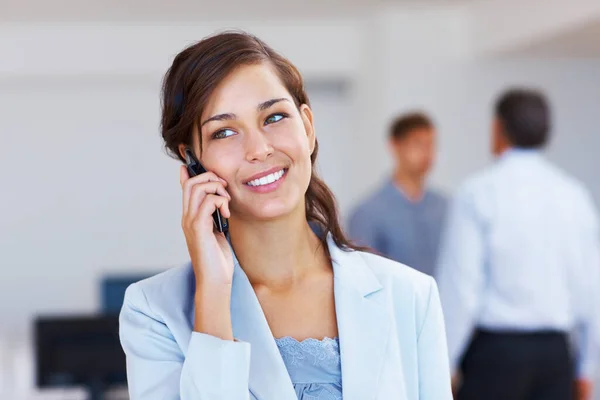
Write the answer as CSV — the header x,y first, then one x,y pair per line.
x,y
273,212
274,209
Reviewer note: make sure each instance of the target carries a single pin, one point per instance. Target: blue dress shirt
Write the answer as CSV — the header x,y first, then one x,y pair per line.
x,y
401,229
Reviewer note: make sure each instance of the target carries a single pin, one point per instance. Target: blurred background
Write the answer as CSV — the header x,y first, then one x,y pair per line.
x,y
87,194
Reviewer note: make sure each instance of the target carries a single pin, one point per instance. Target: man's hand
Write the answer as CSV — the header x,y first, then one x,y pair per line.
x,y
583,389
456,382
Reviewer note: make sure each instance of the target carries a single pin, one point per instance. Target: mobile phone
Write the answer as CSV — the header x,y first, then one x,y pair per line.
x,y
195,168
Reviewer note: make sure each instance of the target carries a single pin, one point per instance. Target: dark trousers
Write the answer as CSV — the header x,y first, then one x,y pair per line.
x,y
517,366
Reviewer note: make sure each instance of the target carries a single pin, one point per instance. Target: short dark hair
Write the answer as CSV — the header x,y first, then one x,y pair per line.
x,y
406,123
525,117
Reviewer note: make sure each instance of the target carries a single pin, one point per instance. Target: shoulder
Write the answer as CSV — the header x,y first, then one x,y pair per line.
x,y
164,297
583,200
397,277
155,324
477,192
478,182
410,296
368,204
405,291
573,192
437,197
573,185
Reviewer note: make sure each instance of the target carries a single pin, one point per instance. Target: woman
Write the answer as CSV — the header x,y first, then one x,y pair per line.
x,y
271,311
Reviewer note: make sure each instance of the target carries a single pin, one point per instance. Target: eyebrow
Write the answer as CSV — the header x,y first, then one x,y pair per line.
x,y
230,116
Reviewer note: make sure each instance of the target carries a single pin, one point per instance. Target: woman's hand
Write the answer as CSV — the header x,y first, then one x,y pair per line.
x,y
211,255
209,250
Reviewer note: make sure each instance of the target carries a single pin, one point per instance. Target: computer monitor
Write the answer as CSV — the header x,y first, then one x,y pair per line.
x,y
79,351
113,291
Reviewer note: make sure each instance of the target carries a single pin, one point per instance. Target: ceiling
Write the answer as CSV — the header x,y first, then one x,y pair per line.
x,y
581,41
187,10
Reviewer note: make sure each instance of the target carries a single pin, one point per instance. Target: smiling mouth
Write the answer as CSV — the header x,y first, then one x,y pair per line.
x,y
268,179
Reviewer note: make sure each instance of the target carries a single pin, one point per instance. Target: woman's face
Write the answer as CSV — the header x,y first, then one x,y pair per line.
x,y
255,138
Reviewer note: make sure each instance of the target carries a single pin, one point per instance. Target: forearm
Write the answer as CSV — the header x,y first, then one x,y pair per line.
x,y
212,310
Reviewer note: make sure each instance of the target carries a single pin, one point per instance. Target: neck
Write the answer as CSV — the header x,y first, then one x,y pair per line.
x,y
277,253
412,185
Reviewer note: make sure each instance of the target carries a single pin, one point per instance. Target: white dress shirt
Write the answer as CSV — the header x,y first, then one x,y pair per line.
x,y
521,253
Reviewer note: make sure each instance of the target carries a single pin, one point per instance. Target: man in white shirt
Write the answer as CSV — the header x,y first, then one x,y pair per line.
x,y
518,267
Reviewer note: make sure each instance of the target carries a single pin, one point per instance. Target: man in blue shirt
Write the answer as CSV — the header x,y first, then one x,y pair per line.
x,y
519,268
403,219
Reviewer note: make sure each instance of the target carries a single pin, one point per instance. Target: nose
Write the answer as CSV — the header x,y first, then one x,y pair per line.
x,y
258,147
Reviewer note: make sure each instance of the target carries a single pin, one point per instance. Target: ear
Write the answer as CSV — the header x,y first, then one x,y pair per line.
x,y
307,119
195,145
181,149
499,140
393,144
496,127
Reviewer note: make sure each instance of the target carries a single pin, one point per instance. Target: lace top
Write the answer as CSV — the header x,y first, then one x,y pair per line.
x,y
314,367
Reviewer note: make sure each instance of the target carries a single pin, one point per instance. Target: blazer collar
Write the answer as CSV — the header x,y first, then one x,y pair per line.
x,y
363,323
363,326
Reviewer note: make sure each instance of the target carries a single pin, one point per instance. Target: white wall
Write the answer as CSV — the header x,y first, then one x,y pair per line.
x,y
86,183
89,188
322,47
83,101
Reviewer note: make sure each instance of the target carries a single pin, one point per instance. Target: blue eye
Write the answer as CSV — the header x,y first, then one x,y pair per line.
x,y
274,118
223,133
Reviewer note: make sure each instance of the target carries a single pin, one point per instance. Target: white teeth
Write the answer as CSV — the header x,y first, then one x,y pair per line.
x,y
265,180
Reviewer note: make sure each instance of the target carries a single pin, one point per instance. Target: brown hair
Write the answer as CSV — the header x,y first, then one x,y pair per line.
x,y
404,124
189,83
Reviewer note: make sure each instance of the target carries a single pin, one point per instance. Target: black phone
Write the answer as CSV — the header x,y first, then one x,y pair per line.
x,y
195,168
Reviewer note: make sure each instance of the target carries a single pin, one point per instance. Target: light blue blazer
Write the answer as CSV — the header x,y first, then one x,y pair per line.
x,y
390,323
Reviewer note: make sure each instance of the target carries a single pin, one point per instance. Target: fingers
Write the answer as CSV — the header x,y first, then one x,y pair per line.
x,y
211,203
188,184
200,191
183,174
203,217
185,179
202,196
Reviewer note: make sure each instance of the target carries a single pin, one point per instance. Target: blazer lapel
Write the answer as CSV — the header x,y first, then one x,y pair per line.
x,y
269,379
363,323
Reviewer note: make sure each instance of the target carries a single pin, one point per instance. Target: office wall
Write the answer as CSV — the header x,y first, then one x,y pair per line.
x,y
87,187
